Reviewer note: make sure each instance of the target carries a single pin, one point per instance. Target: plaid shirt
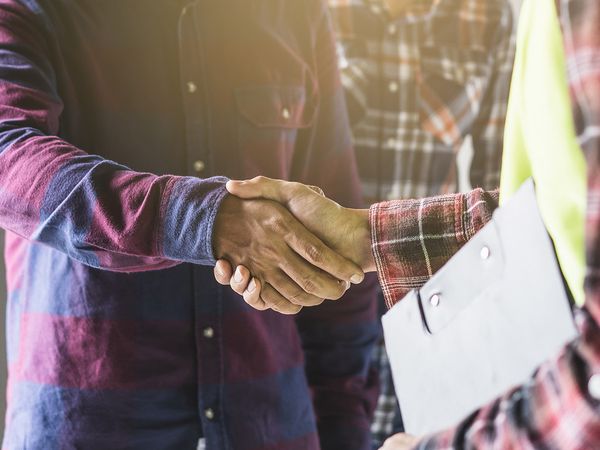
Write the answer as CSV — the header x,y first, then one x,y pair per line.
x,y
418,85
118,336
559,407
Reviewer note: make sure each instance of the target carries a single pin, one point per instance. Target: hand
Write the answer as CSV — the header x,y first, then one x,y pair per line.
x,y
296,268
400,441
345,230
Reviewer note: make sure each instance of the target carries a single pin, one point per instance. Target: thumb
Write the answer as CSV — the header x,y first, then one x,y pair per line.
x,y
260,187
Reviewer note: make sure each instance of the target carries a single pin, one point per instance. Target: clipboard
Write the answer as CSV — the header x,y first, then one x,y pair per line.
x,y
482,323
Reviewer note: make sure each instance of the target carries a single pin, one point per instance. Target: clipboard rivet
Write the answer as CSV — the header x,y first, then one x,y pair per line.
x,y
434,300
485,252
594,386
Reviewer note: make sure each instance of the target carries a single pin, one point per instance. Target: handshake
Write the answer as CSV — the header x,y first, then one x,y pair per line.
x,y
290,245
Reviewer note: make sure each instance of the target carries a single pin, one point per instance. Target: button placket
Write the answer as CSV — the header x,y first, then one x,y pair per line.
x,y
198,158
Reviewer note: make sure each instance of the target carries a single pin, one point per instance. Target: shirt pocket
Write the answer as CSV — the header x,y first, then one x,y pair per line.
x,y
451,85
269,120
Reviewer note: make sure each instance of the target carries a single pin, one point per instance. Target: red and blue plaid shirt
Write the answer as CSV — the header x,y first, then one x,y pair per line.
x,y
118,336
559,407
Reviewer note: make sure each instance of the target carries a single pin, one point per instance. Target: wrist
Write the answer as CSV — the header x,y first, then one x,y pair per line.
x,y
228,212
362,239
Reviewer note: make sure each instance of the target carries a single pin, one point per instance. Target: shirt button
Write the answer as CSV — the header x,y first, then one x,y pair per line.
x,y
208,332
393,86
209,413
392,28
391,143
285,113
199,166
191,87
594,386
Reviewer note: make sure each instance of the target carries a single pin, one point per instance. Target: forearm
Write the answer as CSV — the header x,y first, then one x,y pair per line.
x,y
99,212
95,210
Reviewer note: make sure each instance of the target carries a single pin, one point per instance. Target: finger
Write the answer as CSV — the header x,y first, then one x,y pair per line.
x,y
313,250
263,187
291,291
223,272
241,278
307,282
252,295
277,302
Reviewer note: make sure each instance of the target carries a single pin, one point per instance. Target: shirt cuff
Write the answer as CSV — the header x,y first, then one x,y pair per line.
x,y
189,210
412,239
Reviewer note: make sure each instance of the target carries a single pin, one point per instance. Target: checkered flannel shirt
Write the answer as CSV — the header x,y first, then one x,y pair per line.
x,y
417,85
559,407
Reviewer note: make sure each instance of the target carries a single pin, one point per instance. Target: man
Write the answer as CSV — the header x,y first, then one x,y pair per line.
x,y
420,78
118,336
559,406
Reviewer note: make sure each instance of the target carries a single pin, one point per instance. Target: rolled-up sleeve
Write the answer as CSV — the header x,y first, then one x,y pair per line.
x,y
97,211
412,239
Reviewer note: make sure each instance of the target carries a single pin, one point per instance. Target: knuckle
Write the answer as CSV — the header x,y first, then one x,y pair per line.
x,y
278,224
314,253
309,284
273,301
259,179
300,298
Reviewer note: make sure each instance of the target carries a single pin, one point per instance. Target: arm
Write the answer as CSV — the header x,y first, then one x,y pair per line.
x,y
488,129
108,216
412,239
97,211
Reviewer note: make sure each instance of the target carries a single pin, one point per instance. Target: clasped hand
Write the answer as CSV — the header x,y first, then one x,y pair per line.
x,y
291,246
